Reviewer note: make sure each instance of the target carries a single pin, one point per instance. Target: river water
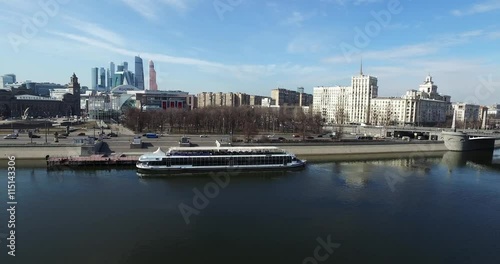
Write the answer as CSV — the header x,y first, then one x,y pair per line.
x,y
443,209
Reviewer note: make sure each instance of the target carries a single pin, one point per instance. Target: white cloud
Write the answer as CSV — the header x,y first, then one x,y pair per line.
x,y
353,2
240,71
415,50
479,8
296,18
305,44
150,9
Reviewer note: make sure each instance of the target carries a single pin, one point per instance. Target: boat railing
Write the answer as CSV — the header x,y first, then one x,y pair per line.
x,y
223,153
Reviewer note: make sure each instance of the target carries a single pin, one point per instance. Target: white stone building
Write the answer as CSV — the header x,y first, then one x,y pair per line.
x,y
466,113
359,103
494,111
332,103
346,104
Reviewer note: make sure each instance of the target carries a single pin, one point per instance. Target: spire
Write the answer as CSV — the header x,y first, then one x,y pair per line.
x,y
361,67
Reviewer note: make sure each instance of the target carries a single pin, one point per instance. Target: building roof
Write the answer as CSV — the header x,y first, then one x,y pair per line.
x,y
124,89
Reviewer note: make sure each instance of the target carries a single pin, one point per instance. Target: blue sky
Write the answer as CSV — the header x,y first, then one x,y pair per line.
x,y
255,46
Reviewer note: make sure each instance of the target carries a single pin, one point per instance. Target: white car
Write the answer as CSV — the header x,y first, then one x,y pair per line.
x,y
10,136
203,136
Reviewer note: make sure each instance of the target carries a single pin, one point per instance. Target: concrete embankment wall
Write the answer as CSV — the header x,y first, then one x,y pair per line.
x,y
40,151
363,149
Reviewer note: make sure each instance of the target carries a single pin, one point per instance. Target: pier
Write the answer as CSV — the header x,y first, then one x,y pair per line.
x,y
91,161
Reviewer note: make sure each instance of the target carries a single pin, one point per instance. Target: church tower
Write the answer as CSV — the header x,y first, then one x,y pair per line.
x,y
74,86
74,100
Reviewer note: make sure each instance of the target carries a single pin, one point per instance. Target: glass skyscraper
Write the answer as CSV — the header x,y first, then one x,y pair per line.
x,y
94,78
139,73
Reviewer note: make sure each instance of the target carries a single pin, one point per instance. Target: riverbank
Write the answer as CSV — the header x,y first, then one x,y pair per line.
x,y
302,150
34,151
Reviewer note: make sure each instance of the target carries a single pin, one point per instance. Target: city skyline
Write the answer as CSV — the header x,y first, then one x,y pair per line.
x,y
258,46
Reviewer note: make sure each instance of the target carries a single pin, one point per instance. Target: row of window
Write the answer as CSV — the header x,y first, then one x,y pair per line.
x,y
222,161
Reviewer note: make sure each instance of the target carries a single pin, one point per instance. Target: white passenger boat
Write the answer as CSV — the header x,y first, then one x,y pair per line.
x,y
190,159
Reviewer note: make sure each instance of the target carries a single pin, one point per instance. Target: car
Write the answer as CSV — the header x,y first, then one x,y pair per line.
x,y
281,138
406,138
112,134
10,136
151,135
320,136
34,136
296,136
203,136
309,137
81,134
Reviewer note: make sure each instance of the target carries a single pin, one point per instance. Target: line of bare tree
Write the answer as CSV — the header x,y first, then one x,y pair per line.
x,y
244,120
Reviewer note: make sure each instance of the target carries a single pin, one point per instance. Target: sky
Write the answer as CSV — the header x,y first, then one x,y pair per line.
x,y
256,46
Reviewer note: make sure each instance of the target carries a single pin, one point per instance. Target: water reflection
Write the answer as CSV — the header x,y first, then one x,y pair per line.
x,y
480,159
359,174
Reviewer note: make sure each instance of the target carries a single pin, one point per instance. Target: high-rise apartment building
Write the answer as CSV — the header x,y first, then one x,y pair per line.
x,y
139,73
153,86
284,97
347,104
205,99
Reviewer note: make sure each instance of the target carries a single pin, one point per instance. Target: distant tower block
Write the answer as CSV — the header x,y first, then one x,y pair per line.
x,y
153,86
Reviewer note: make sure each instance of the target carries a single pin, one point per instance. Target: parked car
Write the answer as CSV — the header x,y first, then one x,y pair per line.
x,y
203,136
309,137
281,138
81,134
296,136
34,136
10,136
112,134
320,136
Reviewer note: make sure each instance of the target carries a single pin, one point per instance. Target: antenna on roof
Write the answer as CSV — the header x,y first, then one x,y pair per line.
x,y
361,67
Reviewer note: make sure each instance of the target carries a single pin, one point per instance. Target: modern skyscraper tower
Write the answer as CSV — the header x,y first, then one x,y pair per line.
x,y
139,73
152,77
94,81
111,75
102,78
